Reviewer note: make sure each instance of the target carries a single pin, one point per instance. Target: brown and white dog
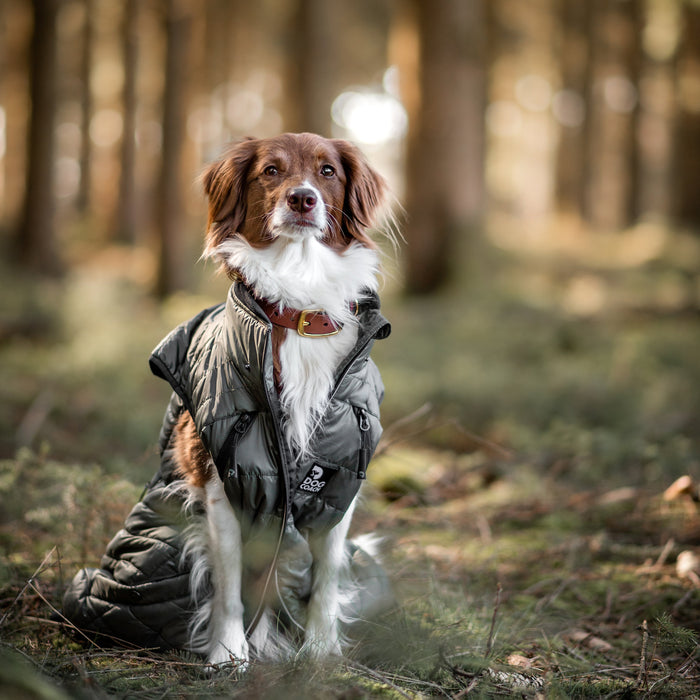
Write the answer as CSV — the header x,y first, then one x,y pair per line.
x,y
289,215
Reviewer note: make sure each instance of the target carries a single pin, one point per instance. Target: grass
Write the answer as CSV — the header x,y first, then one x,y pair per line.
x,y
519,488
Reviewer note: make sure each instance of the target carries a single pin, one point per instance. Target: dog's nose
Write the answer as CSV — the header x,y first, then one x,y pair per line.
x,y
301,199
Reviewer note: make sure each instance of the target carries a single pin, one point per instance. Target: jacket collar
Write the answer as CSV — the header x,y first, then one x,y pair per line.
x,y
243,328
372,323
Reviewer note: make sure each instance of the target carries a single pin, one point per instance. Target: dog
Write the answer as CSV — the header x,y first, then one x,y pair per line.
x,y
289,217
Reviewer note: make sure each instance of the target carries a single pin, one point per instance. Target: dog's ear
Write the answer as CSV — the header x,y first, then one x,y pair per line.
x,y
225,186
365,192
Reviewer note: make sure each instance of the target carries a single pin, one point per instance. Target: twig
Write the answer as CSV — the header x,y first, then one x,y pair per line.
x,y
670,544
30,583
24,654
680,603
661,681
609,599
548,600
64,619
458,673
400,422
388,441
34,418
465,691
361,668
483,442
496,606
642,677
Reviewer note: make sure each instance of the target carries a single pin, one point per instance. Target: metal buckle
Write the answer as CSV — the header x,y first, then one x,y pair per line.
x,y
303,323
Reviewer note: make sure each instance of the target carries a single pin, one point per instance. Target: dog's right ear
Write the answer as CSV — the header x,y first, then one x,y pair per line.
x,y
225,186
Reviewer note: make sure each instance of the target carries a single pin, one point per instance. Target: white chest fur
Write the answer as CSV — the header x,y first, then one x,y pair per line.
x,y
306,274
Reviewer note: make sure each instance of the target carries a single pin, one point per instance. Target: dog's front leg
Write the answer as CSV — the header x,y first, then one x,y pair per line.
x,y
322,626
227,640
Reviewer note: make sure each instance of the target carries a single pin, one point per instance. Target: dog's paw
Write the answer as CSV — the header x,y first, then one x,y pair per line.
x,y
234,654
321,645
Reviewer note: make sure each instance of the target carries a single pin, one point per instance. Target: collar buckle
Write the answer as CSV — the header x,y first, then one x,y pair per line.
x,y
303,323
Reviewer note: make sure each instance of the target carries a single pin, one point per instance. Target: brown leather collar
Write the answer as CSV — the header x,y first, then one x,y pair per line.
x,y
309,323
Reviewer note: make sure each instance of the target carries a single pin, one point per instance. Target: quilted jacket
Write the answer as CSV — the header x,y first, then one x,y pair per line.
x,y
219,365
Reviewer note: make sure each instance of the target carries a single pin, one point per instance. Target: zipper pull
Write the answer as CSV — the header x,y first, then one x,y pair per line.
x,y
364,456
230,446
243,422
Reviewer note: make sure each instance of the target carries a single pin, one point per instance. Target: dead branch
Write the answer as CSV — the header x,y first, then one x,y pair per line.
x,y
642,678
496,606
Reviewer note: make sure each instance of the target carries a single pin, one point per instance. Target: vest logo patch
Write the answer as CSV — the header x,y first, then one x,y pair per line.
x,y
316,479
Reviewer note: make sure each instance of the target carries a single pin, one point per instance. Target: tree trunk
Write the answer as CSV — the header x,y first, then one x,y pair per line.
x,y
613,111
687,135
445,174
83,198
126,210
313,66
574,59
36,245
170,194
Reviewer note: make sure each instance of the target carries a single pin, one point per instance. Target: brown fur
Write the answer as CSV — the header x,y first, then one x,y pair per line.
x,y
242,193
193,462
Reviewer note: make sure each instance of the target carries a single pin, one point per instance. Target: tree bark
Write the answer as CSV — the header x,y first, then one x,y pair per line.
x,y
36,237
83,198
613,110
170,194
313,66
574,57
126,209
445,168
687,135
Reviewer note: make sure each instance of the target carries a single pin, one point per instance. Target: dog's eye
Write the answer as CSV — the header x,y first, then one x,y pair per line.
x,y
271,171
327,170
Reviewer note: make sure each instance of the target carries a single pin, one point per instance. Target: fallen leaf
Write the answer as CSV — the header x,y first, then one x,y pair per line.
x,y
684,485
519,660
688,566
589,640
625,493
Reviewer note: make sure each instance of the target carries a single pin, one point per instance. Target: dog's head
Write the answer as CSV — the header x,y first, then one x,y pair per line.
x,y
293,186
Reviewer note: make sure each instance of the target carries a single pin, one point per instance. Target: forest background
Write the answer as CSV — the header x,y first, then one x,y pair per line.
x,y
537,487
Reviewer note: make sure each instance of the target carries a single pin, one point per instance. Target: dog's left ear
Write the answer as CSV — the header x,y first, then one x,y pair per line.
x,y
365,192
224,184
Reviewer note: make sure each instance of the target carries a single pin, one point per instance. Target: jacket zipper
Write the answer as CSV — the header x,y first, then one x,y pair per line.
x,y
365,448
230,447
361,413
276,422
273,404
348,364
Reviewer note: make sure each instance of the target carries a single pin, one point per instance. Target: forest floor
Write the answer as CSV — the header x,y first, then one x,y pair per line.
x,y
536,418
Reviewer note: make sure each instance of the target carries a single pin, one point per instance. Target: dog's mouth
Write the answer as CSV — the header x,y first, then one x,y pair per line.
x,y
304,220
298,226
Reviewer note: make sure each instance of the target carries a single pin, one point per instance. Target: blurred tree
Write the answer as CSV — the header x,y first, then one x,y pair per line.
x,y
657,95
236,66
220,29
35,238
445,168
312,68
126,208
575,76
169,205
687,170
83,198
15,38
611,163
